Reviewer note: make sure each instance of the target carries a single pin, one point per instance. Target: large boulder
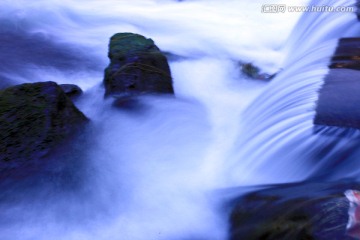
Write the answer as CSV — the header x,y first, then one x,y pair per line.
x,y
34,119
301,211
137,66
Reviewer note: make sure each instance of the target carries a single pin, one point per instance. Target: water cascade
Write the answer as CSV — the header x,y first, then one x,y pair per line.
x,y
159,170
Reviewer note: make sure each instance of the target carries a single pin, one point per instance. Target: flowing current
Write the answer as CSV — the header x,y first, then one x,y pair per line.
x,y
154,173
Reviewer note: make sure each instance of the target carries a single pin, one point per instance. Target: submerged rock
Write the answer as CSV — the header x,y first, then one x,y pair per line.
x,y
129,104
301,211
71,90
137,66
34,119
252,71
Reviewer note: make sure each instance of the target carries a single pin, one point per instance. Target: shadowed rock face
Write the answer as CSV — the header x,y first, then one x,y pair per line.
x,y
71,90
137,66
302,211
34,119
339,98
347,54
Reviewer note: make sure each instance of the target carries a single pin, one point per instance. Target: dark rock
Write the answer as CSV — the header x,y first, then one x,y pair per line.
x,y
137,66
339,96
347,54
299,211
71,90
253,72
34,119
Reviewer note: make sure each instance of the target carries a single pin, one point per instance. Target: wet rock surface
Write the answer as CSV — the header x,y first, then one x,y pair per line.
x,y
137,67
34,119
339,96
347,54
301,211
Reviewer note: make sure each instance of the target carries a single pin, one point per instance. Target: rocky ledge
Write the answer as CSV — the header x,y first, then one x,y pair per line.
x,y
339,96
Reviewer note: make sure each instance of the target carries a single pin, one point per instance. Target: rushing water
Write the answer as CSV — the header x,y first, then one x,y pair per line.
x,y
281,119
153,173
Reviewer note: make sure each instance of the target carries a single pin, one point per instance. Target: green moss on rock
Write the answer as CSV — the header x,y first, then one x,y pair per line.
x,y
34,118
137,66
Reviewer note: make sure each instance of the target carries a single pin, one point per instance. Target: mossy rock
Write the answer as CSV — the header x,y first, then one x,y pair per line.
x,y
303,211
34,119
137,66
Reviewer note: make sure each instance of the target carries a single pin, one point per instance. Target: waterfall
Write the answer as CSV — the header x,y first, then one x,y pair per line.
x,y
154,172
277,141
